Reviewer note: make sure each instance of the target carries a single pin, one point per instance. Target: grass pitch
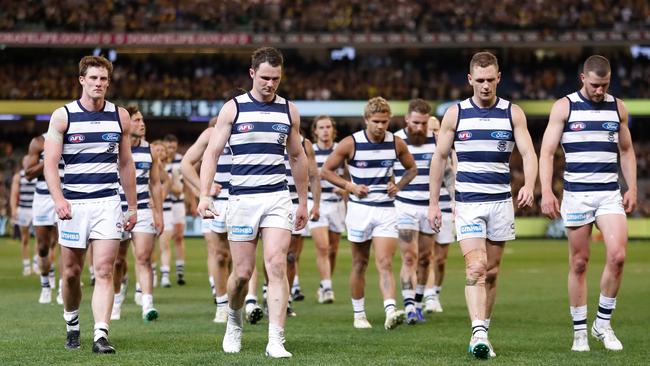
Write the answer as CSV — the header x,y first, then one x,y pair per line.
x,y
530,325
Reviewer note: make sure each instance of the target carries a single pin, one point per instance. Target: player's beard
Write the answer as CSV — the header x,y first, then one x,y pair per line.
x,y
417,138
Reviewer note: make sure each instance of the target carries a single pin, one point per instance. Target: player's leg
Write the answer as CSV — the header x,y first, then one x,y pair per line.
x,y
292,255
408,245
104,254
143,244
72,260
321,242
296,292
24,242
119,275
165,254
360,258
474,252
425,247
43,242
577,283
179,245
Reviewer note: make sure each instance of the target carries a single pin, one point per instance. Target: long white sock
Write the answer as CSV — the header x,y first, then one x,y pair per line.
x,y
579,316
359,308
606,306
101,330
71,319
389,306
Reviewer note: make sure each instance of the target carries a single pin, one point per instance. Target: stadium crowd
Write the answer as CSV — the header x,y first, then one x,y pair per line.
x,y
432,75
323,16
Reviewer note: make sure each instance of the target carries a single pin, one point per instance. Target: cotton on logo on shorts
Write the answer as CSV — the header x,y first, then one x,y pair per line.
x,y
241,230
471,228
357,233
578,216
69,236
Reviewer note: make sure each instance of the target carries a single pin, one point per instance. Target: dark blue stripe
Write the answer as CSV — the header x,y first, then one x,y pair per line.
x,y
327,189
141,149
608,126
421,171
505,135
375,204
482,113
141,206
141,196
483,156
422,156
591,106
413,202
167,208
92,116
282,186
88,158
481,197
602,310
385,163
178,200
224,185
483,178
445,198
253,169
580,322
331,200
448,210
386,145
575,147
292,188
589,187
323,152
224,168
591,167
24,205
90,178
262,107
73,195
142,180
270,127
295,201
371,181
93,137
424,187
42,191
258,148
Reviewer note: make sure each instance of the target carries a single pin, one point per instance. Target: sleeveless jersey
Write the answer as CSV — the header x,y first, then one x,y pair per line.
x,y
26,191
143,161
372,165
327,189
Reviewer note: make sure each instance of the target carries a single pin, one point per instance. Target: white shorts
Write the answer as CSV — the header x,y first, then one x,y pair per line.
x,y
332,216
174,216
218,224
581,208
304,231
414,217
92,219
492,220
43,213
246,214
365,222
143,225
23,216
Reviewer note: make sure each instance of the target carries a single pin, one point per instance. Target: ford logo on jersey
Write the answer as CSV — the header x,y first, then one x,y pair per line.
x,y
76,138
143,165
245,127
464,135
610,126
501,135
280,128
111,137
387,163
577,126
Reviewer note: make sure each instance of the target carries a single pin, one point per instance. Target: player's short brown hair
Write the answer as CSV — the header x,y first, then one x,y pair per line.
x,y
132,109
95,61
598,65
376,105
420,106
266,54
483,59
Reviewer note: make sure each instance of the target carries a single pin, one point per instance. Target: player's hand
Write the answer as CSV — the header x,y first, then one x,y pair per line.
x,y
550,206
435,217
130,219
392,189
63,209
314,213
158,222
206,208
301,217
629,201
525,197
359,190
215,189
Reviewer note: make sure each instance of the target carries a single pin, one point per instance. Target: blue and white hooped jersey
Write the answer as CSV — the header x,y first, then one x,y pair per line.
x,y
291,183
327,189
175,165
484,141
372,165
222,175
258,140
90,150
41,184
26,191
590,144
417,191
143,161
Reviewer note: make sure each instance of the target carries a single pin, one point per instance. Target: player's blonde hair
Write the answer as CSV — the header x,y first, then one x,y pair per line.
x,y
376,105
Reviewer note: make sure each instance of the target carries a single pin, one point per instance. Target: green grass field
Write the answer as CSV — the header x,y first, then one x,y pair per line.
x,y
530,325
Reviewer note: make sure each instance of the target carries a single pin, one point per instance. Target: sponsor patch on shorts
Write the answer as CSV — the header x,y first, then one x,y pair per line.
x,y
353,232
70,236
579,216
241,230
471,228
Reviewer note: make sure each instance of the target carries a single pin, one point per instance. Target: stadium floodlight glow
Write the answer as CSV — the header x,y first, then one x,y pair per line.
x,y
9,117
43,117
112,55
97,51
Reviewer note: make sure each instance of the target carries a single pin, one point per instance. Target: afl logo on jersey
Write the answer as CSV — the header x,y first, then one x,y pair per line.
x,y
610,126
245,127
111,137
577,126
76,138
279,127
501,135
464,135
361,164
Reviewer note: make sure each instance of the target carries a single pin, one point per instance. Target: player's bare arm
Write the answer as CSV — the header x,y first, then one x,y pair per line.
x,y
127,171
192,156
53,147
628,159
314,180
343,152
32,164
410,169
525,196
14,195
552,136
299,166
156,188
438,160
